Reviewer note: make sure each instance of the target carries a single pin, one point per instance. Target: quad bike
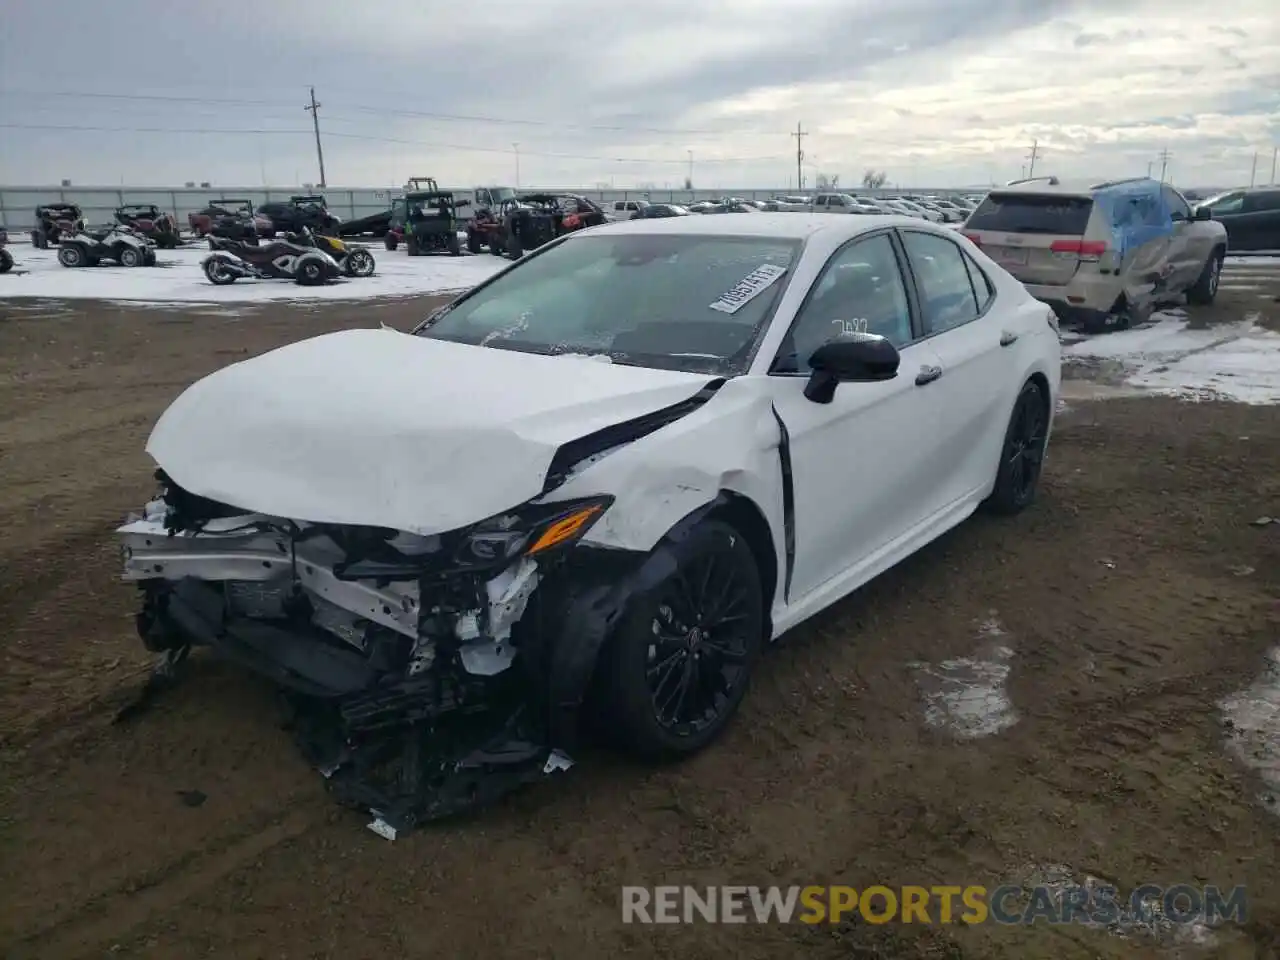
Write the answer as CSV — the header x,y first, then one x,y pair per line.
x,y
6,258
150,221
354,259
53,222
118,243
295,258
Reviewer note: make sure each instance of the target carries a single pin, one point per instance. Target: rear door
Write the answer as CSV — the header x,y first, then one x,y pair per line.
x,y
1258,222
1039,238
1185,257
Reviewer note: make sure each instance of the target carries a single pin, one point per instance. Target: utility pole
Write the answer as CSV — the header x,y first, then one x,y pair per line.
x,y
1274,152
1253,172
314,109
516,147
1032,157
690,170
1164,156
800,134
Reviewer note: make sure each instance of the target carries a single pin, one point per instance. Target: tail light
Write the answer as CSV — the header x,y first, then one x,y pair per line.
x,y
1088,250
973,238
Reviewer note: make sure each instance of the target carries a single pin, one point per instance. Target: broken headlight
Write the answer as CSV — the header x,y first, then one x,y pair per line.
x,y
532,530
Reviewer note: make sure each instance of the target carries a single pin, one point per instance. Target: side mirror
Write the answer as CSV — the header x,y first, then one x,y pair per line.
x,y
854,358
1201,213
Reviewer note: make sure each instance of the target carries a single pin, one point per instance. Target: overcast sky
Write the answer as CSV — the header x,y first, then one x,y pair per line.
x,y
933,92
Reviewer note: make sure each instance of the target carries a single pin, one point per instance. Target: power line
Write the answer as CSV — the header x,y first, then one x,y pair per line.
x,y
357,136
314,109
381,111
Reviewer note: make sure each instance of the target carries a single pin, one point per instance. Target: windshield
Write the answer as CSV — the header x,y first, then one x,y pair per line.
x,y
676,302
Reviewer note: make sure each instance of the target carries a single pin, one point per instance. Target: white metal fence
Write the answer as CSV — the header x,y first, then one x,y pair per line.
x,y
18,203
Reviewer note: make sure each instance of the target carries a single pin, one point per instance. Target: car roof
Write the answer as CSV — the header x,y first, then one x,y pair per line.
x,y
785,226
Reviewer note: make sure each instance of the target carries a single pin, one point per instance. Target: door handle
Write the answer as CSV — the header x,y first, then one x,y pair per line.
x,y
1007,338
927,375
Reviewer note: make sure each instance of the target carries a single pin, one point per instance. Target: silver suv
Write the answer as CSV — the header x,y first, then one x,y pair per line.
x,y
1101,254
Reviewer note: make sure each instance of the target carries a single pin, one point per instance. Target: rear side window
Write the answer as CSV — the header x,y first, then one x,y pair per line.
x,y
1029,213
943,280
1265,200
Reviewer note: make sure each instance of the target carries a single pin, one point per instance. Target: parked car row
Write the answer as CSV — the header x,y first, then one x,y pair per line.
x,y
931,208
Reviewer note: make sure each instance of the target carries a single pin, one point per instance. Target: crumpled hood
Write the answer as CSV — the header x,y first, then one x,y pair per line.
x,y
382,428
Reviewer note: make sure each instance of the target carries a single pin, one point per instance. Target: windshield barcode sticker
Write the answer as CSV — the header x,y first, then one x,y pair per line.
x,y
749,287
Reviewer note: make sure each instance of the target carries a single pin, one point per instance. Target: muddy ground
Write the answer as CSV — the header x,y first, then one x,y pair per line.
x,y
1131,600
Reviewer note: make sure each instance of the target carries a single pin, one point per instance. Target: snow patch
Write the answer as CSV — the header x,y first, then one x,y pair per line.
x,y
1143,917
1252,720
966,696
1239,361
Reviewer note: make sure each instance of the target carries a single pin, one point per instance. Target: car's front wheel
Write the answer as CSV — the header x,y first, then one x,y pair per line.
x,y
1022,454
679,663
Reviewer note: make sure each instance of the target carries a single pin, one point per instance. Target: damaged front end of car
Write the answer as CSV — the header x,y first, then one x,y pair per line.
x,y
427,674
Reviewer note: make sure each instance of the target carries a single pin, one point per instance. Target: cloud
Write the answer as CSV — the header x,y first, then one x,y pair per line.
x,y
942,91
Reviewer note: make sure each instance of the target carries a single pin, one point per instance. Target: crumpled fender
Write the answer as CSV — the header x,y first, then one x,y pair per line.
x,y
731,443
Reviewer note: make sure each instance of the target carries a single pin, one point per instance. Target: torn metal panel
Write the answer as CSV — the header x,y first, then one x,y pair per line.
x,y
730,444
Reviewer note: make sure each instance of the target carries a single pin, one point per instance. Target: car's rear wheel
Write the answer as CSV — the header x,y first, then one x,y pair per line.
x,y
1206,287
1022,454
679,663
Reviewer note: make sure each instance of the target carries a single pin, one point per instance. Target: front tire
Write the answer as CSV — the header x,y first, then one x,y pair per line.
x,y
129,257
1206,287
360,263
678,666
6,260
310,274
1022,454
218,273
72,255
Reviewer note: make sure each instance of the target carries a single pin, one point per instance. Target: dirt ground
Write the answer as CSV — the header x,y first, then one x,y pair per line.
x,y
1134,596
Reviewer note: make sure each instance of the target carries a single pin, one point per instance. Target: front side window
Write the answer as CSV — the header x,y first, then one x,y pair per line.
x,y
1226,203
679,302
1178,208
946,292
861,290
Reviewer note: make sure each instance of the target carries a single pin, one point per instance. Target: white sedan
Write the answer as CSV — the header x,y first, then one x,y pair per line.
x,y
620,467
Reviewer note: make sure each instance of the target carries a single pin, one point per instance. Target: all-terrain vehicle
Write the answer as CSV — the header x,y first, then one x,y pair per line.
x,y
231,219
91,245
53,222
150,221
355,259
427,222
304,211
6,258
534,219
295,258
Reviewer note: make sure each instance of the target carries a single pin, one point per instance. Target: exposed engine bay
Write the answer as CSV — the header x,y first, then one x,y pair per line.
x,y
423,673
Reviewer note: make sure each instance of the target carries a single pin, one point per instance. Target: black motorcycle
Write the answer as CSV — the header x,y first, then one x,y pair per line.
x,y
294,258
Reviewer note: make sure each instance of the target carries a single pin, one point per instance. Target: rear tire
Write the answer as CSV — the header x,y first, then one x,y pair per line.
x,y
411,246
129,257
310,274
6,260
39,240
454,245
1022,453
390,241
495,244
514,246
473,241
1206,288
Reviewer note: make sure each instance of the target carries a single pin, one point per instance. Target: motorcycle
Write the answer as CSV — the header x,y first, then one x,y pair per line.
x,y
354,258
293,258
86,247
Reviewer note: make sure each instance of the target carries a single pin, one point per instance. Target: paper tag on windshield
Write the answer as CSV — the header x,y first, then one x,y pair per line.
x,y
749,287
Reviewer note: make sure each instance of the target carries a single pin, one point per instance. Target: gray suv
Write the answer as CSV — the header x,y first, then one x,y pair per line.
x,y
1101,254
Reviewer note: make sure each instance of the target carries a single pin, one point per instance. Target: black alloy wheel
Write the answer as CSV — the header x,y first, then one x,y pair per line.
x,y
1023,453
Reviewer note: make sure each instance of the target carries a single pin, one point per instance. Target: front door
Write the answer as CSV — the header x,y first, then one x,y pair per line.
x,y
859,463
